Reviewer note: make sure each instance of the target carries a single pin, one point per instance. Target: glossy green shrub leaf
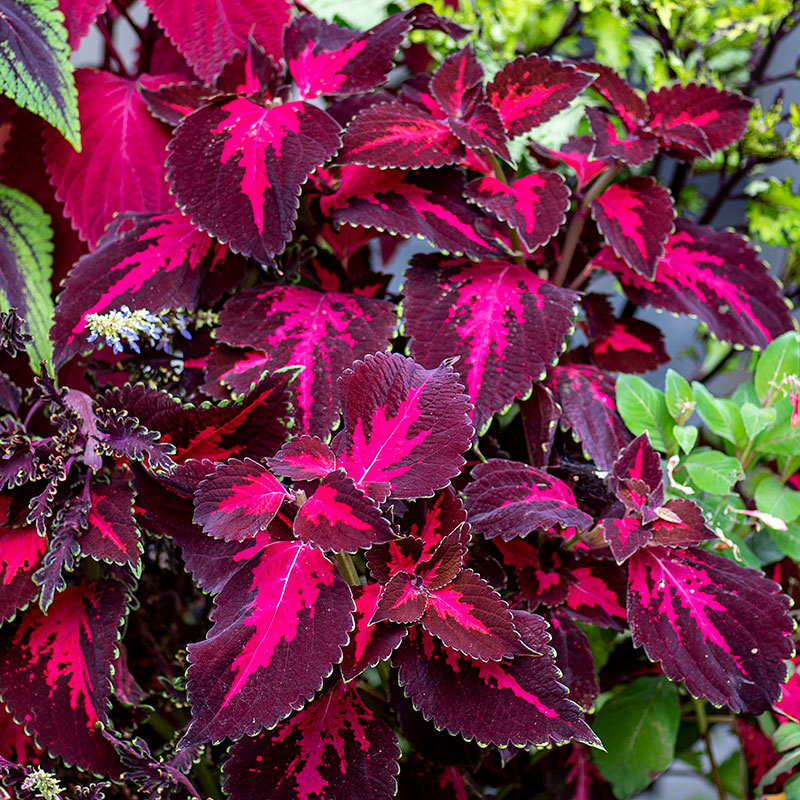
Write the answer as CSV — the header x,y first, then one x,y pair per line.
x,y
787,541
780,359
644,408
780,439
638,727
772,497
713,471
756,419
35,71
26,256
679,396
721,416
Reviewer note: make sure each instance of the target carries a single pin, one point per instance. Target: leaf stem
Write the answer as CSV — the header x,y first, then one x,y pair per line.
x,y
111,49
348,568
702,724
383,671
516,244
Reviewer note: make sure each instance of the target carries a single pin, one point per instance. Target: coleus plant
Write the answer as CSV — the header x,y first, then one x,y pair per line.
x,y
334,519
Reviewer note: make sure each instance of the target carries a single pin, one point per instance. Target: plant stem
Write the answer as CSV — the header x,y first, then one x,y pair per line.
x,y
702,724
383,671
111,50
516,244
724,190
349,572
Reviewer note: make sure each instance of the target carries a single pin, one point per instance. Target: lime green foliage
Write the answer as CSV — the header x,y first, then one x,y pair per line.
x,y
774,212
639,727
26,250
35,71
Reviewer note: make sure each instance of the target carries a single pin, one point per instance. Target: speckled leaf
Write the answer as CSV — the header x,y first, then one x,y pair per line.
x,y
334,749
110,534
323,332
21,553
405,427
238,167
586,395
340,517
506,324
428,204
721,628
635,217
149,261
237,500
517,701
121,167
535,206
279,627
55,672
35,70
714,275
207,32
530,90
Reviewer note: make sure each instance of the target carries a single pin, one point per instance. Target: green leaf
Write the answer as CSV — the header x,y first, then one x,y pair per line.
x,y
756,419
774,212
721,416
35,70
781,439
686,437
745,392
780,359
644,408
787,737
679,396
784,765
713,471
26,255
772,497
788,541
638,727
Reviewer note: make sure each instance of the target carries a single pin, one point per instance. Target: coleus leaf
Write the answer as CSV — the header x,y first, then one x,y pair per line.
x,y
535,206
573,658
121,167
596,593
340,517
398,135
249,72
689,529
232,370
238,167
123,435
324,58
26,252
625,536
633,151
506,324
56,668
640,465
432,520
171,102
303,458
149,261
79,15
577,153
531,89
678,112
631,345
509,499
626,102
111,534
323,332
540,414
635,217
405,427
335,747
714,275
35,70
16,745
21,552
427,204
268,651
215,30
237,500
517,701
369,643
586,395
721,628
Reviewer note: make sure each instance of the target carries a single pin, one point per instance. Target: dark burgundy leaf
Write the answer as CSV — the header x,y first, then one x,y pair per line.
x,y
79,15
423,16
405,427
55,672
125,436
16,745
720,116
509,499
428,204
586,396
625,536
334,748
323,332
237,500
268,651
577,154
540,414
145,261
597,593
445,563
111,534
721,628
398,135
482,129
574,659
171,102
121,165
535,206
368,644
207,33
639,462
625,101
692,528
635,217
232,370
506,324
249,72
633,151
631,345
387,560
436,519
403,600
340,517
21,553
238,168
518,701
714,275
303,458
530,90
